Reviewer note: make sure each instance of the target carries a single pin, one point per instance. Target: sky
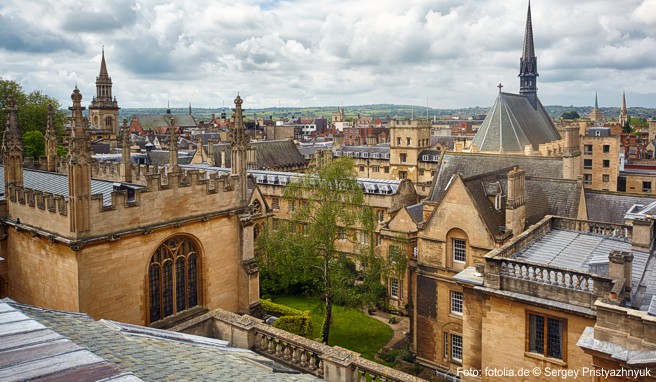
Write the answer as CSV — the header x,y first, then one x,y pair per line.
x,y
440,53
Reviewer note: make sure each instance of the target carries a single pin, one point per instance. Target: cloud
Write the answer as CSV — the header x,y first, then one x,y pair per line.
x,y
18,34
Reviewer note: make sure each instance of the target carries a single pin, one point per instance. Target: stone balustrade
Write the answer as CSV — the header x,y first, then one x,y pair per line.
x,y
331,363
618,231
545,274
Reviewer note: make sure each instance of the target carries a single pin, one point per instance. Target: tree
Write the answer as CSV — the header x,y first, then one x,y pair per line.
x,y
34,143
572,114
326,211
627,126
32,108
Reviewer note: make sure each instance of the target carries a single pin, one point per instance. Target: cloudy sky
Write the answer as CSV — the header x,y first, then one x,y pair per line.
x,y
447,53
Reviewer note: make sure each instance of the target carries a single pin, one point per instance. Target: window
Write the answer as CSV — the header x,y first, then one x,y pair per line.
x,y
587,178
646,186
275,203
403,175
109,122
415,252
386,170
173,278
292,206
361,168
446,345
587,163
407,141
421,172
375,169
379,240
394,288
456,302
606,148
456,347
342,234
380,214
398,141
403,157
605,178
364,237
606,163
546,336
587,149
459,250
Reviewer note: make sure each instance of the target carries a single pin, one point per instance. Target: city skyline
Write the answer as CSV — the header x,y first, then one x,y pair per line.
x,y
447,54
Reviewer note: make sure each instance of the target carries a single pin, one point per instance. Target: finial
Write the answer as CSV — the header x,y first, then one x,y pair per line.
x,y
499,86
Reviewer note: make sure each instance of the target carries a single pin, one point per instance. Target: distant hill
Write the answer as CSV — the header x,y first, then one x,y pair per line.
x,y
379,110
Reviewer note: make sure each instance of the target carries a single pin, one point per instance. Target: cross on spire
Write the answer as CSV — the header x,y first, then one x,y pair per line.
x,y
499,86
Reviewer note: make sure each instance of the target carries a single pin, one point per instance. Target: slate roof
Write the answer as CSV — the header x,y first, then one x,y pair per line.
x,y
611,207
147,354
588,252
154,121
416,212
470,164
512,123
446,141
57,184
433,155
271,155
161,157
544,196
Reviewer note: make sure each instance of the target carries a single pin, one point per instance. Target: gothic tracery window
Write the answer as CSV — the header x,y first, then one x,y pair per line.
x,y
173,278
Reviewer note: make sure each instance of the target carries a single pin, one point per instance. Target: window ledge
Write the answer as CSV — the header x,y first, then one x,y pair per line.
x,y
540,357
455,315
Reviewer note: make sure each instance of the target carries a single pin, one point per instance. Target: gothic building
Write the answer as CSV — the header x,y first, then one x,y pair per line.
x,y
103,111
154,248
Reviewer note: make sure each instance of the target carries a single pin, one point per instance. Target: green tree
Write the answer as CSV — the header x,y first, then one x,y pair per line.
x,y
325,209
34,143
627,126
572,114
32,108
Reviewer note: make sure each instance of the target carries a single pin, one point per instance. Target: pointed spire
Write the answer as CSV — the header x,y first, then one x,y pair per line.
x,y
189,108
238,133
12,147
103,65
173,147
624,115
529,49
623,101
596,101
125,144
51,141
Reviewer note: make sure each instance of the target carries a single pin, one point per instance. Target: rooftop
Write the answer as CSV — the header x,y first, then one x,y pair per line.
x,y
55,345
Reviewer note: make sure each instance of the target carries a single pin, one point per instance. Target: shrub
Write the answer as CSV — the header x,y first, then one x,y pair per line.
x,y
289,319
391,319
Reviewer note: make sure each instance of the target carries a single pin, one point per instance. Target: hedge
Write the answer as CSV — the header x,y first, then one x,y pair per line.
x,y
289,319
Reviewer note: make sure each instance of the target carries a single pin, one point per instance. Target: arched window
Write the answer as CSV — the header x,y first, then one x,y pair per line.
x,y
173,279
109,122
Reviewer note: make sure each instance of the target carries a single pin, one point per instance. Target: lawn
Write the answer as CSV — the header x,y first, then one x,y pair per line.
x,y
351,329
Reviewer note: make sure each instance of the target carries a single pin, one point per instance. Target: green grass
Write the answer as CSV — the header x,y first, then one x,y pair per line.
x,y
351,329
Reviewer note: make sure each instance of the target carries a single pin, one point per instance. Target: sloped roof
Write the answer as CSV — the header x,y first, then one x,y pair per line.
x,y
512,123
470,164
416,212
161,157
57,184
611,207
153,121
155,355
271,155
544,196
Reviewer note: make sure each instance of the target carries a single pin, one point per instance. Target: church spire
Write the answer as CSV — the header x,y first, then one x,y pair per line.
x,y
596,101
79,168
103,111
239,150
528,64
103,66
624,115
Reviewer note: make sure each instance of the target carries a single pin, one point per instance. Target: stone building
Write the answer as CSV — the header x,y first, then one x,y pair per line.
x,y
103,111
601,158
596,114
153,249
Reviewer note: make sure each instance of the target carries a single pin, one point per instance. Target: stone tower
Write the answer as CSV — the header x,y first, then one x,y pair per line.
x,y
624,116
596,114
103,111
51,142
79,169
528,65
12,147
239,150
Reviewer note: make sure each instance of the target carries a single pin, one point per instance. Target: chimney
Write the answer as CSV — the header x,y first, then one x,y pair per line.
x,y
338,141
620,267
572,153
516,201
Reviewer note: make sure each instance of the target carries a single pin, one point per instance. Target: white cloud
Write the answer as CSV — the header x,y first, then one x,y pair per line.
x,y
321,52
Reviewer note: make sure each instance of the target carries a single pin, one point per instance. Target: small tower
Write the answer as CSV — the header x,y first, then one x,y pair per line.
x,y
528,65
596,114
516,201
173,148
126,163
624,115
12,147
103,111
239,150
79,168
51,142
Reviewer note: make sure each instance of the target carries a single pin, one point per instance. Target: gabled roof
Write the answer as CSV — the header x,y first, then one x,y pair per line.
x,y
134,353
153,121
271,155
512,123
469,164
